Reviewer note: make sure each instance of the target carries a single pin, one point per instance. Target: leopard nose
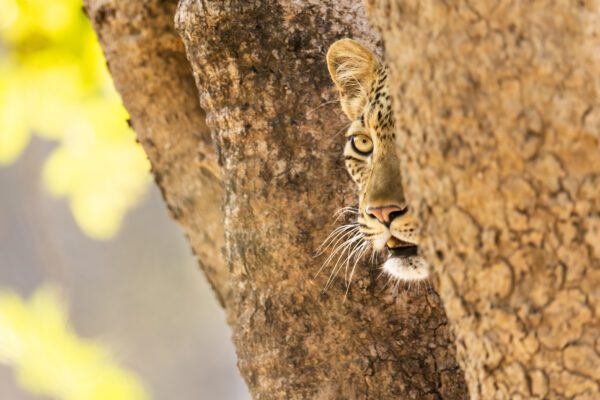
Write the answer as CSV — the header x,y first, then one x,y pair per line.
x,y
386,214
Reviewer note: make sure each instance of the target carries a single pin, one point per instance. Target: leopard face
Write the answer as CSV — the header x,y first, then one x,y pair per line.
x,y
384,222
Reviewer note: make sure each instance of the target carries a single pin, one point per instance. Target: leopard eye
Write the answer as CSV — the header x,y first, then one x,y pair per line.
x,y
362,144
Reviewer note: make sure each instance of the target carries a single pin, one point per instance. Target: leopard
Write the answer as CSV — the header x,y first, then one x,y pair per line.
x,y
382,223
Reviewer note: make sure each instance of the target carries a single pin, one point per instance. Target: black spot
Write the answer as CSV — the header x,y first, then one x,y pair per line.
x,y
440,255
348,158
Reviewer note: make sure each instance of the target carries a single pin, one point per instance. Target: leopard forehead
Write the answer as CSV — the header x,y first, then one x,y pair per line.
x,y
376,120
378,109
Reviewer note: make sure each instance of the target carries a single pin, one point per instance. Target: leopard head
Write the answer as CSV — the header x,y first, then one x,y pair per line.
x,y
384,221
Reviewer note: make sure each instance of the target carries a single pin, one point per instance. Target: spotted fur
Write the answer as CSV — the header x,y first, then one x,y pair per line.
x,y
362,82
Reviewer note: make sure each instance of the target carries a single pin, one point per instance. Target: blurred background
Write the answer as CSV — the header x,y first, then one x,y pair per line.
x,y
100,297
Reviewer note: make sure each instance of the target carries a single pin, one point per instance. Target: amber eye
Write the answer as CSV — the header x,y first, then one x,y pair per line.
x,y
362,144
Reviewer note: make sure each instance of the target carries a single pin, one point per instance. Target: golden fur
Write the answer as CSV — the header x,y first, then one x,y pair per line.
x,y
371,157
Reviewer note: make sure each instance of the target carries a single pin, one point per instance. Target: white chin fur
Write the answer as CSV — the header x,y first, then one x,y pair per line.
x,y
413,268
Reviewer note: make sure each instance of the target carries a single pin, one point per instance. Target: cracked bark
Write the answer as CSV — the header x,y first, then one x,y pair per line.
x,y
499,104
278,170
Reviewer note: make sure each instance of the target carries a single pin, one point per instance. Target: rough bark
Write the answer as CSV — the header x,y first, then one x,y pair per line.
x,y
499,105
260,67
261,70
147,61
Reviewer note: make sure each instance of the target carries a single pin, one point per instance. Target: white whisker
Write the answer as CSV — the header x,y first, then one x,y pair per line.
x,y
356,254
334,136
342,212
346,210
397,284
339,241
390,278
332,237
337,247
372,258
347,247
364,247
321,105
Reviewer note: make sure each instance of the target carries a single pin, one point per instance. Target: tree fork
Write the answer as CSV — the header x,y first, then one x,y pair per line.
x,y
261,73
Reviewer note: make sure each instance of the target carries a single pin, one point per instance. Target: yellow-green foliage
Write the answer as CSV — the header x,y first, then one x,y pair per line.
x,y
54,83
49,359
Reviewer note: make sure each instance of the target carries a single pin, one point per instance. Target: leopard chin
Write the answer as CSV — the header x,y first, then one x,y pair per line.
x,y
403,262
409,268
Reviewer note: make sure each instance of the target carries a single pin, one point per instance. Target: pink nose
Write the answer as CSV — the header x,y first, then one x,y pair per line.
x,y
386,214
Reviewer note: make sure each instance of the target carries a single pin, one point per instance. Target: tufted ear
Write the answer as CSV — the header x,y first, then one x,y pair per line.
x,y
352,68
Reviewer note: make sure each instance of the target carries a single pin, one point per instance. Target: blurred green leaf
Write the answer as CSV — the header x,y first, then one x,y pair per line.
x,y
51,360
54,84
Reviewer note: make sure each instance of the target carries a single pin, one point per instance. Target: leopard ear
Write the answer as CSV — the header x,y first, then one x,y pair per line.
x,y
353,68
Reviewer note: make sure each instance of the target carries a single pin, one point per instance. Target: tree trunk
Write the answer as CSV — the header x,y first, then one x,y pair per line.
x,y
500,114
261,73
148,65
